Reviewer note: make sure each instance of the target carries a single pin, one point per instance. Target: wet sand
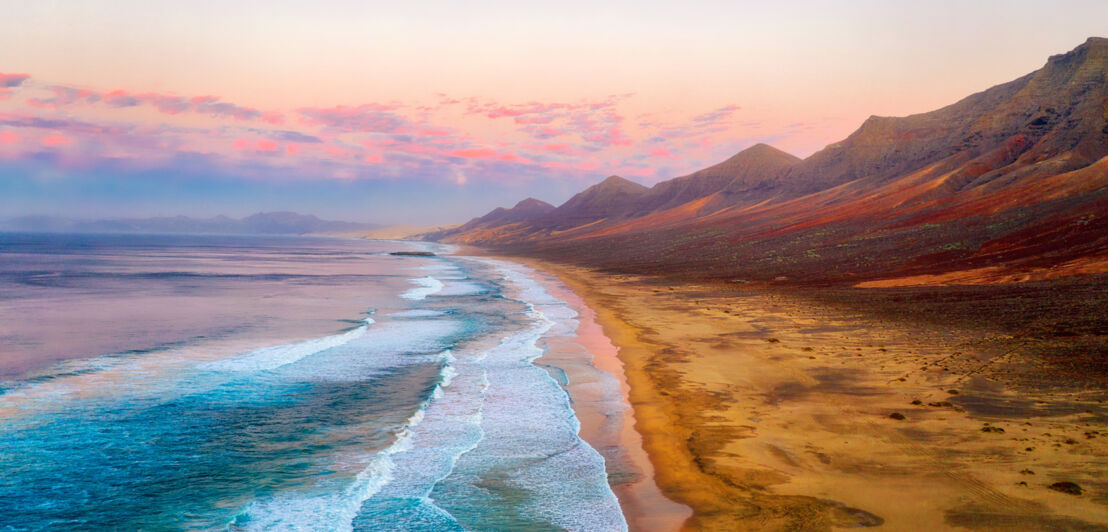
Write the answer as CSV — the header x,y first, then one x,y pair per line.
x,y
765,412
599,393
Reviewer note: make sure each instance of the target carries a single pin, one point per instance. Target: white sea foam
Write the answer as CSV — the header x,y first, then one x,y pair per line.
x,y
337,511
494,412
463,287
451,427
440,267
568,473
417,313
493,416
389,344
330,511
427,286
273,357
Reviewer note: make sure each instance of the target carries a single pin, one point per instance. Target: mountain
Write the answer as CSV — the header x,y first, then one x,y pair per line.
x,y
524,210
291,223
495,225
611,198
263,223
747,177
1007,184
1057,110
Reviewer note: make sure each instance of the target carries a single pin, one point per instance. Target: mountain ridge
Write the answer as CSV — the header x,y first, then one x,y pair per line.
x,y
923,194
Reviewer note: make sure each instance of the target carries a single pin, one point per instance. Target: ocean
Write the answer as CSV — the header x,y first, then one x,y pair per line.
x,y
272,383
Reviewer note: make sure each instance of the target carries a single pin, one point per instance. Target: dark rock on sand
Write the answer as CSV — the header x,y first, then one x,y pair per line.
x,y
1067,487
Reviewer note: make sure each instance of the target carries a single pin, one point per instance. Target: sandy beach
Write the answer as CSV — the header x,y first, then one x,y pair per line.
x,y
762,411
599,391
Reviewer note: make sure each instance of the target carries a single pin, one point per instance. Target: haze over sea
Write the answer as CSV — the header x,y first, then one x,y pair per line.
x,y
218,382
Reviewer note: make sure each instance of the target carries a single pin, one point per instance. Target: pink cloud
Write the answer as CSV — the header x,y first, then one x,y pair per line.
x,y
723,113
612,136
542,132
8,81
368,118
64,96
335,151
485,154
165,103
22,120
211,105
542,119
56,140
474,153
710,123
266,145
557,148
120,98
662,152
8,137
432,133
574,168
169,105
526,111
581,137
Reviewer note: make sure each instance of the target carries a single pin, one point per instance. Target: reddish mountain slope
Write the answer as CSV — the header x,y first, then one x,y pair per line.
x,y
1013,179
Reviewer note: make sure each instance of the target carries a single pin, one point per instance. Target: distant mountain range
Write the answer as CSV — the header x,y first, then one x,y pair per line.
x,y
1007,184
263,223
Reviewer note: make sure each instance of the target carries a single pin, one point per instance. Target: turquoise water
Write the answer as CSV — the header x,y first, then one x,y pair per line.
x,y
421,410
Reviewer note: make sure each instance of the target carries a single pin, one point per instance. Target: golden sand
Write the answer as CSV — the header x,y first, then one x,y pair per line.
x,y
763,412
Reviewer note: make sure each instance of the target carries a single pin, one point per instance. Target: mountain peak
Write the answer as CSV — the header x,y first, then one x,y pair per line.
x,y
758,163
763,151
1092,48
532,204
615,184
608,199
617,181
523,211
1093,43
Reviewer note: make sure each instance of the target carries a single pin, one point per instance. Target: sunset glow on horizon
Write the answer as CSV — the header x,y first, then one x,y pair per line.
x,y
434,112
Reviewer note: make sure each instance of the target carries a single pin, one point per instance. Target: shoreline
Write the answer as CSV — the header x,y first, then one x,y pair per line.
x,y
607,419
762,411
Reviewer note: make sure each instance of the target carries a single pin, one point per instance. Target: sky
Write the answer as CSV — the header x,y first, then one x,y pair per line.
x,y
426,112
